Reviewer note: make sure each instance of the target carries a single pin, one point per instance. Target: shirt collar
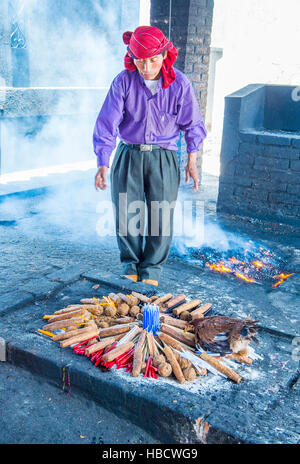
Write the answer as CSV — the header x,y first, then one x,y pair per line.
x,y
141,80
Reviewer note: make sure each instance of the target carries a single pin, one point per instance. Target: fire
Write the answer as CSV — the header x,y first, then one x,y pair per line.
x,y
242,276
219,267
252,264
282,278
258,264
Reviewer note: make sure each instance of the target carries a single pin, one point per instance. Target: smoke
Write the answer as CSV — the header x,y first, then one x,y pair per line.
x,y
70,45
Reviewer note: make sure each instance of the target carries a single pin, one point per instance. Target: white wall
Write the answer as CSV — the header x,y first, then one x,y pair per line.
x,y
260,41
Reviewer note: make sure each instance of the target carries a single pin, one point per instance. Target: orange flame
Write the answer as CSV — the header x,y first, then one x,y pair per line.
x,y
219,267
282,278
242,276
258,264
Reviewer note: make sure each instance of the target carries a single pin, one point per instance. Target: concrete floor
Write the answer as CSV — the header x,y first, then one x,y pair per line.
x,y
40,235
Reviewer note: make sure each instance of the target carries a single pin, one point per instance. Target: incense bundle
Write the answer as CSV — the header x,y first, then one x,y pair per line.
x,y
113,354
151,344
176,323
68,309
69,314
163,298
115,330
174,364
198,313
141,297
172,342
184,337
79,338
73,333
91,301
62,324
138,355
124,298
186,306
122,320
103,344
220,367
175,301
239,358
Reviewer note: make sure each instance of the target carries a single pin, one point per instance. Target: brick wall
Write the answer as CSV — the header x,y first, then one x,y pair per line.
x,y
264,181
191,23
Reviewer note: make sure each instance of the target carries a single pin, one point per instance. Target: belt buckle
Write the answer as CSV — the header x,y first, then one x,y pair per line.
x,y
146,147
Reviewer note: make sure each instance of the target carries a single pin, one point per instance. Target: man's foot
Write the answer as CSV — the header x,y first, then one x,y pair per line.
x,y
150,282
133,277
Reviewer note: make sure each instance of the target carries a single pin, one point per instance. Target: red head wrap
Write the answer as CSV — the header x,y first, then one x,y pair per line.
x,y
148,41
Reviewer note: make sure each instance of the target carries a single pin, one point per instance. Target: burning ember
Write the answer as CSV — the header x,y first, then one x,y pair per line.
x,y
254,264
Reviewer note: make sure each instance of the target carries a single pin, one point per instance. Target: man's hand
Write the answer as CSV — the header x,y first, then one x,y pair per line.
x,y
100,178
191,170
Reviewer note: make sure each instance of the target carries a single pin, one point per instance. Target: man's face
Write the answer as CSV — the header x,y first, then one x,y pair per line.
x,y
149,68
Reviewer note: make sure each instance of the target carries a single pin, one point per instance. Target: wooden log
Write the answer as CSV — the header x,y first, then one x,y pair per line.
x,y
184,337
186,306
138,355
232,375
198,313
63,324
174,364
80,338
176,323
115,330
175,301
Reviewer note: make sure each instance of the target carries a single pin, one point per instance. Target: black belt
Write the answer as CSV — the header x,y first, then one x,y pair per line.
x,y
143,147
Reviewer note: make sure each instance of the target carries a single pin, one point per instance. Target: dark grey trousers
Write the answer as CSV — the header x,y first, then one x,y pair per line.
x,y
140,182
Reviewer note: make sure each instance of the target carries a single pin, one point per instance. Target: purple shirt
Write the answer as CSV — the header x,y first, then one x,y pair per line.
x,y
133,114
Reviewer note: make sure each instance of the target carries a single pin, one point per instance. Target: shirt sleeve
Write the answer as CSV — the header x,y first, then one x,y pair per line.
x,y
108,121
190,119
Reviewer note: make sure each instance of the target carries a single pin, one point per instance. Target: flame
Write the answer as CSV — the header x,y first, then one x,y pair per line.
x,y
219,267
242,276
282,278
258,264
251,270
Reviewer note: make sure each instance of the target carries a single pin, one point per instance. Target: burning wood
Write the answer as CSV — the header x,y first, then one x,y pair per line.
x,y
282,278
255,264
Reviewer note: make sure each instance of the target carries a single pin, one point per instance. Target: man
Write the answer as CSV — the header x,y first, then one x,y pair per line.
x,y
147,106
